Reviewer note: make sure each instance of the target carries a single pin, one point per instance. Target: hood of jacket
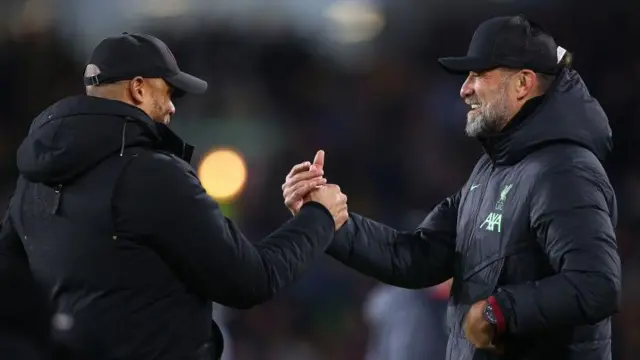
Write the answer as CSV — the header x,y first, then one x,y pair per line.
x,y
566,113
76,133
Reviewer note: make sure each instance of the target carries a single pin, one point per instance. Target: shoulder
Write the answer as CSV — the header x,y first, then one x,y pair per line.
x,y
150,171
565,160
151,162
569,176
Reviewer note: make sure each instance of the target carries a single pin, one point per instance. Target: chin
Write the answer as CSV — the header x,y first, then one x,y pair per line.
x,y
474,127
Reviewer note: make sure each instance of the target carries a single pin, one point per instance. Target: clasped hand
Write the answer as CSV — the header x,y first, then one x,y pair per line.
x,y
305,182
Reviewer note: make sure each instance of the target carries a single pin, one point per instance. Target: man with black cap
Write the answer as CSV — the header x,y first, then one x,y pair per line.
x,y
117,229
529,239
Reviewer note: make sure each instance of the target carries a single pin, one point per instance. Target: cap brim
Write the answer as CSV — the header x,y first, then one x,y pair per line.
x,y
463,65
187,84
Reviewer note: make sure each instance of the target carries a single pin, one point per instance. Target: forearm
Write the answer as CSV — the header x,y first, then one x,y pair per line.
x,y
403,259
263,268
289,251
204,248
567,299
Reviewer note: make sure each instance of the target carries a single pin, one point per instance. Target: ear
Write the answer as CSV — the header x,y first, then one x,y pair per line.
x,y
137,90
526,83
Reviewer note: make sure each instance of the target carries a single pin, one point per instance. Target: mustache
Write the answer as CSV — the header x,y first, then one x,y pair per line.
x,y
472,100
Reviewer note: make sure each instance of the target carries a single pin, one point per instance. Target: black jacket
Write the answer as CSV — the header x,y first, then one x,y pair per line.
x,y
121,234
534,226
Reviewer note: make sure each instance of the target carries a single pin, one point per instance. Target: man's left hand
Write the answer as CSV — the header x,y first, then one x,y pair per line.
x,y
301,180
478,330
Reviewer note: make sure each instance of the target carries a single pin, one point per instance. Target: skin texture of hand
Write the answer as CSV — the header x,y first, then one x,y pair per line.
x,y
478,330
301,180
334,200
305,183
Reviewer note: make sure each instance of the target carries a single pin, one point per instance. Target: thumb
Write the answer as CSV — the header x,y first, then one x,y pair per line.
x,y
318,161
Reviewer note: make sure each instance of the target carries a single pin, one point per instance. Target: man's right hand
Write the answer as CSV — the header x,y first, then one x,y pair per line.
x,y
334,200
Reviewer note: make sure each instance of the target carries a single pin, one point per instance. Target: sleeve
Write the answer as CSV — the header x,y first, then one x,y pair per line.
x,y
11,250
25,311
573,214
405,259
13,258
160,202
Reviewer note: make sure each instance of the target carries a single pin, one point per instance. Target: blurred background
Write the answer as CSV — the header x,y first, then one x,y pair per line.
x,y
357,78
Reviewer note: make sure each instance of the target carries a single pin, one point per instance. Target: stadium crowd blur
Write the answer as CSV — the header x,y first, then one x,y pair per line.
x,y
389,118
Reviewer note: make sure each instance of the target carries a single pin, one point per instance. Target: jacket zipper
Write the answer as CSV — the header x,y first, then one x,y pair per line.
x,y
56,201
124,136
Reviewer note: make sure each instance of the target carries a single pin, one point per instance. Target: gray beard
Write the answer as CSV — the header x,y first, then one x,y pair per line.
x,y
489,119
483,123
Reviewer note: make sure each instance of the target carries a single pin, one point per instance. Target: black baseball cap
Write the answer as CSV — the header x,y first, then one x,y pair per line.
x,y
508,41
126,56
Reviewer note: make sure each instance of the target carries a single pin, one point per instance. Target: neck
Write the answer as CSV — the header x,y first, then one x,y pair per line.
x,y
109,92
522,109
112,93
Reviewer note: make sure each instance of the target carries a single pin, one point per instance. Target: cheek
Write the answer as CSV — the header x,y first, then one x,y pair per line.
x,y
481,97
161,103
482,93
492,96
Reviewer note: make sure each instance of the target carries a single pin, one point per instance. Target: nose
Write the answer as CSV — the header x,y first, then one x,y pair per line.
x,y
466,90
172,108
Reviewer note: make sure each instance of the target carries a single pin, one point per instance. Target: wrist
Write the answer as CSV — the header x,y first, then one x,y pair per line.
x,y
318,206
494,315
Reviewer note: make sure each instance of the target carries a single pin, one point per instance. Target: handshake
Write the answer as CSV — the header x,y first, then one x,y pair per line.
x,y
305,183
